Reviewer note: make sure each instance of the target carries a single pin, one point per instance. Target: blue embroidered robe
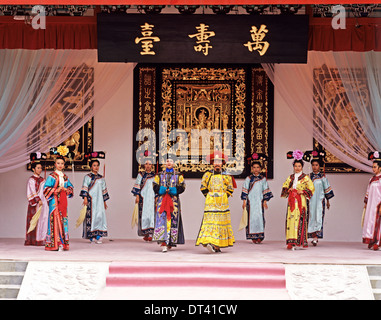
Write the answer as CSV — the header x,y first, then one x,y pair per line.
x,y
255,190
95,190
316,206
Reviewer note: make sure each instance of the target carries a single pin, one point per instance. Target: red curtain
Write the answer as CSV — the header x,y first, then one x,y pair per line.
x,y
362,34
60,33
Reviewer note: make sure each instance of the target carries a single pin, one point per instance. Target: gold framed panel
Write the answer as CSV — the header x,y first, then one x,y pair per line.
x,y
206,98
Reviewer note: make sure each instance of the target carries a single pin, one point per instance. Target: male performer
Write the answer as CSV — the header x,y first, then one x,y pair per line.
x,y
167,185
216,231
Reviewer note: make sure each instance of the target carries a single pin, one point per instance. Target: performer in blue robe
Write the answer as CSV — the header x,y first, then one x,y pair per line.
x,y
168,185
255,194
145,197
316,208
94,193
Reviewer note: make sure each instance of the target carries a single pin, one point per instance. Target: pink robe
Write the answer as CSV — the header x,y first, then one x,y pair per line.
x,y
35,193
371,232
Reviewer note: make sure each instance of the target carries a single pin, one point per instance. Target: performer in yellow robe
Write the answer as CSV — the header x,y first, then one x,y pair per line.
x,y
298,188
216,231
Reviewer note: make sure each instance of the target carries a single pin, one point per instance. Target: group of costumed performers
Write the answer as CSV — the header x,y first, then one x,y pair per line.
x,y
159,209
159,215
306,199
47,218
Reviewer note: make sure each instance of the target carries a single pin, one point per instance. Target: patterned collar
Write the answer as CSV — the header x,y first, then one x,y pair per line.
x,y
255,178
292,177
37,178
316,175
375,178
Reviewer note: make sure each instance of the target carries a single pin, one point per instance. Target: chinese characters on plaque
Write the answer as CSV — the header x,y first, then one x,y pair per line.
x,y
147,40
257,36
212,39
203,43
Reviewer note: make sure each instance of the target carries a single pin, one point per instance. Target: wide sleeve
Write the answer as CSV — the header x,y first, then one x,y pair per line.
x,y
136,189
204,183
245,189
267,194
85,187
180,184
328,192
50,187
31,193
367,192
105,191
229,189
309,188
285,188
156,184
70,189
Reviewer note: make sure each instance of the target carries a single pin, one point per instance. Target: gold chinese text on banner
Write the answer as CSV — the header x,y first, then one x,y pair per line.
x,y
202,38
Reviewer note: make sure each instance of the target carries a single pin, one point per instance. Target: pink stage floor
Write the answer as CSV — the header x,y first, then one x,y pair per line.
x,y
349,253
134,270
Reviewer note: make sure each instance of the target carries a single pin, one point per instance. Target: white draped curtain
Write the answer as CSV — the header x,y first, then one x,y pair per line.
x,y
336,96
32,85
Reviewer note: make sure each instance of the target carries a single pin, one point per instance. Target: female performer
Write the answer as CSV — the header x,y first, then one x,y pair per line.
x,y
323,192
371,232
298,188
57,189
145,197
94,193
36,200
255,194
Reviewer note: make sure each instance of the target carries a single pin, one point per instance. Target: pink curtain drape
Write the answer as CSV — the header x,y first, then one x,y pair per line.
x,y
319,94
34,116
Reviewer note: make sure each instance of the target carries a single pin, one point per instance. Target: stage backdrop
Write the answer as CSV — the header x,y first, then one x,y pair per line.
x,y
80,142
236,101
331,98
175,38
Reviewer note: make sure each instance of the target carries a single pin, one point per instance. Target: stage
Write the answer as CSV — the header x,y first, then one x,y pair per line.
x,y
122,269
349,253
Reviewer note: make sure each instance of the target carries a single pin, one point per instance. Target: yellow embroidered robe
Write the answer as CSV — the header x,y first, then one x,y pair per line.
x,y
216,224
296,221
